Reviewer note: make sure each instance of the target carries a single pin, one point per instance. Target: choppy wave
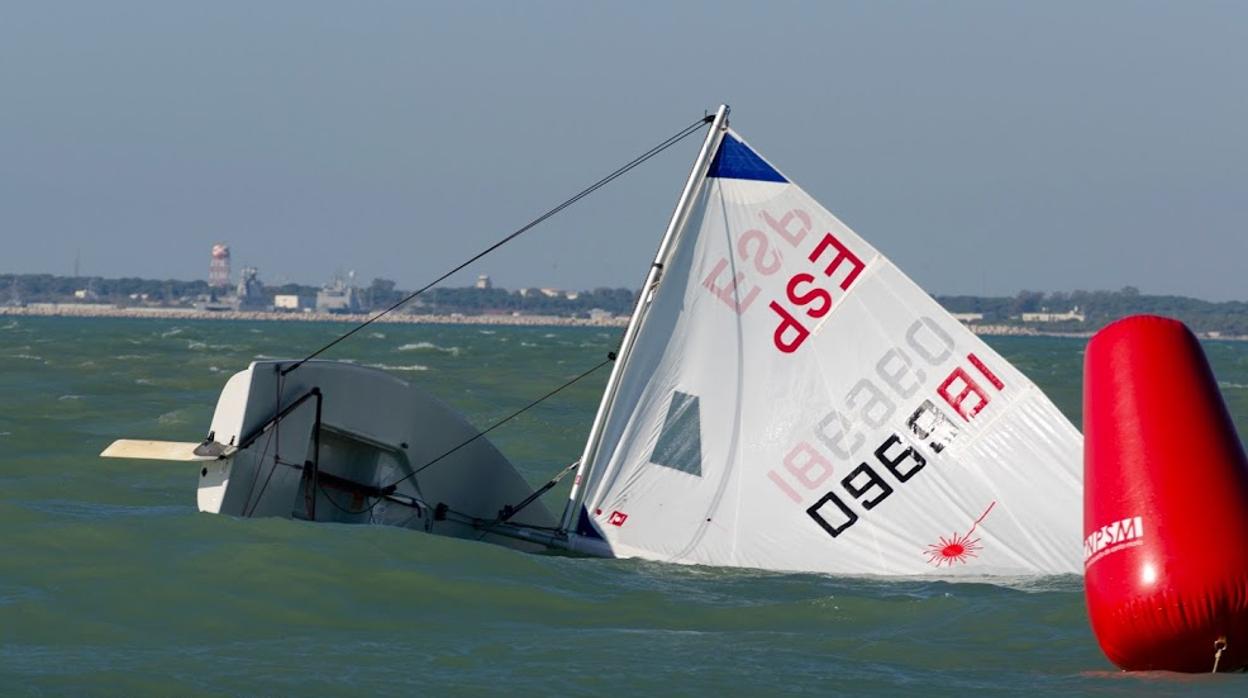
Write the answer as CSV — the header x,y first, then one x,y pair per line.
x,y
488,331
14,594
97,530
172,333
69,397
377,335
95,510
430,346
28,357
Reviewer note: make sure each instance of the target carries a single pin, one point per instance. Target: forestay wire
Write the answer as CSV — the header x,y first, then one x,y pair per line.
x,y
622,170
504,420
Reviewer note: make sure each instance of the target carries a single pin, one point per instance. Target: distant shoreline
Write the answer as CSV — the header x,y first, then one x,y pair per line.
x,y
99,311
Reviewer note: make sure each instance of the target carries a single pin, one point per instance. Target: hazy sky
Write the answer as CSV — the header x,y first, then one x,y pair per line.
x,y
985,147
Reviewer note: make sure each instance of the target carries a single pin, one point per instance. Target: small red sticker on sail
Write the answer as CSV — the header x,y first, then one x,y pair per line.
x,y
617,518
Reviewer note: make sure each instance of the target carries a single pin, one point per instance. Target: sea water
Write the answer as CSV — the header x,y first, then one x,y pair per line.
x,y
111,582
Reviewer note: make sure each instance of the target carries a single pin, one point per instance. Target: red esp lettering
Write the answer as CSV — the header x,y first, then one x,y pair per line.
x,y
791,333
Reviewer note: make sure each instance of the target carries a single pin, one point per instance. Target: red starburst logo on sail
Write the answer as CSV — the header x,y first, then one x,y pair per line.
x,y
957,548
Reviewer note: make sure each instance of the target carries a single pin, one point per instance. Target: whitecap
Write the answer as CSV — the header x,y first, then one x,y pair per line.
x,y
143,381
377,335
549,335
1224,384
527,344
214,369
70,397
389,367
28,357
6,433
429,346
171,333
488,331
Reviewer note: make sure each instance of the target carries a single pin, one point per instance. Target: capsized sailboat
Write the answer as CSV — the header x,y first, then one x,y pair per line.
x,y
784,398
336,442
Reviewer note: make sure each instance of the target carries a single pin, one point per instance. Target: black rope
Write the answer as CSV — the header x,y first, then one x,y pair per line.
x,y
509,511
260,464
669,142
504,420
345,510
485,525
463,518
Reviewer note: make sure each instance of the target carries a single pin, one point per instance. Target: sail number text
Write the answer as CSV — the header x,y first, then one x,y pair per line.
x,y
809,468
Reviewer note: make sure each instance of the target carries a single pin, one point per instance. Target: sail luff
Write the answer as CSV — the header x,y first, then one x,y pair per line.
x,y
679,217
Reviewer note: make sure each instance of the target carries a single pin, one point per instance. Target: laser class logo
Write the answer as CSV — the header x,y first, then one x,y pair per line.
x,y
958,547
1119,535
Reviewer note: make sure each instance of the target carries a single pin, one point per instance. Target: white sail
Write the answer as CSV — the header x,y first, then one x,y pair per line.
x,y
793,401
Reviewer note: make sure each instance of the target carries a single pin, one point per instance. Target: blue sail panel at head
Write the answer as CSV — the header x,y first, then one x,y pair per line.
x,y
735,160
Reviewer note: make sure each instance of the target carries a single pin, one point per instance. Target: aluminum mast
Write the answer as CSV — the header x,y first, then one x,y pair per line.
x,y
719,125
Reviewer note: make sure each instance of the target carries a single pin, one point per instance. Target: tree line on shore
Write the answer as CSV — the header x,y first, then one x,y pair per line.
x,y
1098,307
381,293
1103,307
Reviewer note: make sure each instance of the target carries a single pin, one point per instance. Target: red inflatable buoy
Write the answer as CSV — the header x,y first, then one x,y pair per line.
x,y
1165,504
